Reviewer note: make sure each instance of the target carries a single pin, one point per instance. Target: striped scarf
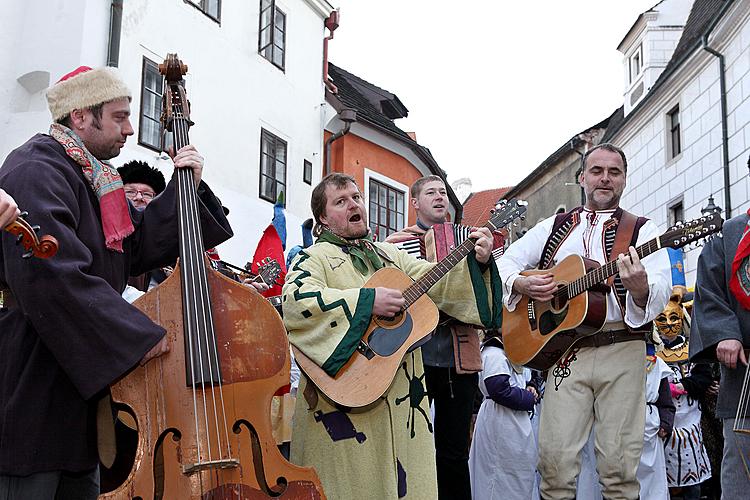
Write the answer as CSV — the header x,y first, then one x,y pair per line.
x,y
106,183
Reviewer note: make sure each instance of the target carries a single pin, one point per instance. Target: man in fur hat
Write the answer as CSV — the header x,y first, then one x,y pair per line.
x,y
141,182
67,334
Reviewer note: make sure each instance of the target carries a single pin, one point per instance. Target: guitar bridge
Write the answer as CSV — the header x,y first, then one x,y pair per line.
x,y
531,312
365,350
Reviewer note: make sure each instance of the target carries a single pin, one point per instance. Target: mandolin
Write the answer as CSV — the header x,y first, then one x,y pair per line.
x,y
371,369
538,334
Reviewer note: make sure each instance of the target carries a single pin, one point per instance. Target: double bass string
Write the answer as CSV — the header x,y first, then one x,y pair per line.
x,y
202,302
739,421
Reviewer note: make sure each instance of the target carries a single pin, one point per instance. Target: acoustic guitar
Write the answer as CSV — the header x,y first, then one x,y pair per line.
x,y
538,334
371,369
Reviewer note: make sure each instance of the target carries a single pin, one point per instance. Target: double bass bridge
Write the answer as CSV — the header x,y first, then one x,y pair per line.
x,y
224,463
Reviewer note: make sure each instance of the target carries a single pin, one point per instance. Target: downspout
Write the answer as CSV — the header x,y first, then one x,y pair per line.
x,y
575,180
115,30
331,23
348,116
724,124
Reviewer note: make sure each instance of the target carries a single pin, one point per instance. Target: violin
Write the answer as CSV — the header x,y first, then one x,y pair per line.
x,y
203,410
42,247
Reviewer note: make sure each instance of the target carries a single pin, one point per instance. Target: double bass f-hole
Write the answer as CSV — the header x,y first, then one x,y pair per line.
x,y
42,247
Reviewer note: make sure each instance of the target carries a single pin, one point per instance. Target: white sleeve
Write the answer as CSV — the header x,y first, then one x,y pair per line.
x,y
659,271
523,254
494,362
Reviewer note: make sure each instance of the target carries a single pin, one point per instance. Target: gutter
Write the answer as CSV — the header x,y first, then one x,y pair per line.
x,y
115,31
724,124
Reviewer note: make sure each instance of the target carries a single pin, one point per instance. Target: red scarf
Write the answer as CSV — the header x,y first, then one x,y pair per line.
x,y
739,283
106,183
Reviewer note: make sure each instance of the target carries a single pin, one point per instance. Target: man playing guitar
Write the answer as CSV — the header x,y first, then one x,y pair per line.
x,y
601,381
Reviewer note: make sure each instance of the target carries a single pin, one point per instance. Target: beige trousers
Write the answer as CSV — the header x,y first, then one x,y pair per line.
x,y
606,387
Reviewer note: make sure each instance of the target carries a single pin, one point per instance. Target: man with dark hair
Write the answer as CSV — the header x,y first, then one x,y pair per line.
x,y
385,450
67,334
601,382
721,332
451,360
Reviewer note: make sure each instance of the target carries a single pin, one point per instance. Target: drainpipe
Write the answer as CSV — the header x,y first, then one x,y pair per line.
x,y
115,29
331,23
724,125
575,180
348,116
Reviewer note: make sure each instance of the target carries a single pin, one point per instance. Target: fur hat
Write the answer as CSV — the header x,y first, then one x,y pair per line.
x,y
140,172
83,88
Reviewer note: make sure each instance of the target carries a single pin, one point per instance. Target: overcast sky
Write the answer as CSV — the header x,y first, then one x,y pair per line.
x,y
492,87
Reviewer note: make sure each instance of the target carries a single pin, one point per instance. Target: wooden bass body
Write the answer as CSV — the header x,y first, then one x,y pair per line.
x,y
538,334
231,453
372,368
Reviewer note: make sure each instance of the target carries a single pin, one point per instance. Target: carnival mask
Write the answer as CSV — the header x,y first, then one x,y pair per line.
x,y
669,322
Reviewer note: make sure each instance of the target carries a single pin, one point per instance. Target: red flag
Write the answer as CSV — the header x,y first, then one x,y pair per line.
x,y
270,246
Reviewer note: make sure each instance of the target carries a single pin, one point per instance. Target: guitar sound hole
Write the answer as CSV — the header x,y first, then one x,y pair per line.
x,y
387,339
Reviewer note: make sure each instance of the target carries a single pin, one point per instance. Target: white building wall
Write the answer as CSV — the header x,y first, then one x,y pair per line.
x,y
233,90
654,182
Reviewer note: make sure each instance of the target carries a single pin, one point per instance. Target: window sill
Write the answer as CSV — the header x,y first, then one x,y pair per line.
x,y
198,8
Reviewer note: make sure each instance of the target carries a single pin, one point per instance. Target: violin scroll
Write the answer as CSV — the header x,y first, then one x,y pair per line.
x,y
42,247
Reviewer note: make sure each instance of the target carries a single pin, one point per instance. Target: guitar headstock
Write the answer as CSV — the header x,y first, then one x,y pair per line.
x,y
268,270
684,233
506,212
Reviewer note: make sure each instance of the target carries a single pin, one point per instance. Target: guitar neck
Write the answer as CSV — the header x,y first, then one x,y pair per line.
x,y
600,274
431,277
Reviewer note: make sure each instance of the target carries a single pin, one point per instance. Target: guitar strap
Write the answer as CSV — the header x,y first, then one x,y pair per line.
x,y
618,236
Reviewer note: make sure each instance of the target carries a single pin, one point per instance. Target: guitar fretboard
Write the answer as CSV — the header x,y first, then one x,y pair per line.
x,y
598,275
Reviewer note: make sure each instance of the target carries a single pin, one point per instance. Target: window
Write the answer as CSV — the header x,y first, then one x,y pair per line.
x,y
212,8
636,63
676,214
386,210
149,124
272,33
272,166
673,126
307,173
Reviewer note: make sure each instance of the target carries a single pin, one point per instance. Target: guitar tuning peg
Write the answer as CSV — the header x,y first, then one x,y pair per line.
x,y
36,228
28,254
19,238
523,217
24,214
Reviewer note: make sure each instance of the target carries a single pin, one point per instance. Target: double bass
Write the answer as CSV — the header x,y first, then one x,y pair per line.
x,y
203,409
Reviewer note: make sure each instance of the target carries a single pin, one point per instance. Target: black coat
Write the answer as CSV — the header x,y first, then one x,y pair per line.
x,y
71,334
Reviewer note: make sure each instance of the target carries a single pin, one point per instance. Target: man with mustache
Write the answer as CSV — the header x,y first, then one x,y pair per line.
x,y
385,451
451,360
606,382
66,332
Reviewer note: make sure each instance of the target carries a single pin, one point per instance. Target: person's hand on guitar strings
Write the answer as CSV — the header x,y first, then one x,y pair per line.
x,y
634,277
259,286
537,286
388,302
483,245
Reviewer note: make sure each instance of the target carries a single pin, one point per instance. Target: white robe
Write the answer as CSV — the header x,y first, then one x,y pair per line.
x,y
502,459
652,472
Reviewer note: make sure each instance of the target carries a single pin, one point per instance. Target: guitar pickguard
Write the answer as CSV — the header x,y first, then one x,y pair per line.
x,y
386,341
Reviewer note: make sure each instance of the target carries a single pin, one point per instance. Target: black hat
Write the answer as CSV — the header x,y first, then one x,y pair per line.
x,y
142,173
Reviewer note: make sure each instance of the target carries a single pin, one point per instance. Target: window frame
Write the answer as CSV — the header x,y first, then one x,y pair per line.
x,y
265,134
672,211
374,218
202,5
159,146
307,168
637,55
272,38
674,132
